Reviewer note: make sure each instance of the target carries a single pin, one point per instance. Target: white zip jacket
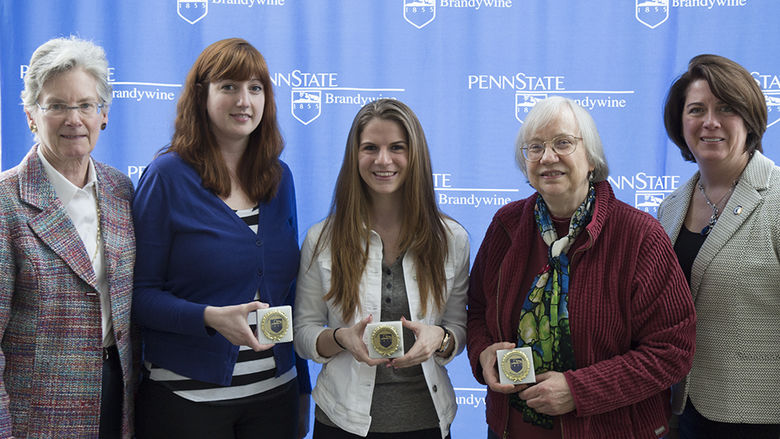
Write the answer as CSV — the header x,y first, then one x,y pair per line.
x,y
345,386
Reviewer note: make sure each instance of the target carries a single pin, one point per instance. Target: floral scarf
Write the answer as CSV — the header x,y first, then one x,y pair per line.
x,y
544,318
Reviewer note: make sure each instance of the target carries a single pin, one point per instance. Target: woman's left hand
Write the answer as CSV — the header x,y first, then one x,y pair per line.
x,y
550,395
428,341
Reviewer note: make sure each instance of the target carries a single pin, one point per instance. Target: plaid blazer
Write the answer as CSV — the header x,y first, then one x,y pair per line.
x,y
50,324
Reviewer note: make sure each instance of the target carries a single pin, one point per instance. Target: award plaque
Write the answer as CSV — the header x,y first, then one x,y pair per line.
x,y
516,366
385,340
274,325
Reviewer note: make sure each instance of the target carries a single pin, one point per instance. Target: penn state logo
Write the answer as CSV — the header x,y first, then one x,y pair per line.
x,y
652,13
306,104
516,365
419,13
274,325
192,11
648,201
524,102
772,98
385,340
277,324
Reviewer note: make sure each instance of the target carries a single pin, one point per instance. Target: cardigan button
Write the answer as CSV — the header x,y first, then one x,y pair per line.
x,y
259,243
435,389
259,273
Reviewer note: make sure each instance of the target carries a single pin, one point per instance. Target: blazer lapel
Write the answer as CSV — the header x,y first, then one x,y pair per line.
x,y
743,202
675,207
52,225
114,214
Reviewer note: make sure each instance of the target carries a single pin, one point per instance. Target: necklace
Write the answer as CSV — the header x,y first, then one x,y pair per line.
x,y
714,206
97,232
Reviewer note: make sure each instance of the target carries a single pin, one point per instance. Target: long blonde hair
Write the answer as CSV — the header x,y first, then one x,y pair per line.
x,y
347,228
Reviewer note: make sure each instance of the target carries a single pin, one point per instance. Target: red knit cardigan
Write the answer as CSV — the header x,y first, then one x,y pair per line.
x,y
630,312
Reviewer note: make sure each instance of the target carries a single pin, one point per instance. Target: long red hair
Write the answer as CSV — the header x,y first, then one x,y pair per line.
x,y
259,171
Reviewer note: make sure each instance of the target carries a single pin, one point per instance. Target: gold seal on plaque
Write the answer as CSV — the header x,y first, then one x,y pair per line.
x,y
515,365
274,325
385,340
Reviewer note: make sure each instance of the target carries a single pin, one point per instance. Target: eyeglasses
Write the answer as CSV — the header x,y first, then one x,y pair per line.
x,y
561,145
84,108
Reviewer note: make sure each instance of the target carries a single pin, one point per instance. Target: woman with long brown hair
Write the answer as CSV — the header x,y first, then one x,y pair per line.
x,y
385,253
216,226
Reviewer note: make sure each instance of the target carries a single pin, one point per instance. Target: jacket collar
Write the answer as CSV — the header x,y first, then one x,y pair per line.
x,y
52,224
747,196
512,218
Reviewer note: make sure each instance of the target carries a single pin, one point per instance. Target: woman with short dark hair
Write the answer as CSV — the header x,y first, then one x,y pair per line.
x,y
725,226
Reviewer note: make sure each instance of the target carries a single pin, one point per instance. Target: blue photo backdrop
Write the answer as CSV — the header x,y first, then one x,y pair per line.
x,y
470,69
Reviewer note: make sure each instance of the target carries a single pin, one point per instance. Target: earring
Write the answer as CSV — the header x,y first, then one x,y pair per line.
x,y
33,128
103,126
590,176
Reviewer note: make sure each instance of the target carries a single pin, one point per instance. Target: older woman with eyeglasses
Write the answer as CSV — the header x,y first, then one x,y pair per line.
x,y
67,250
589,284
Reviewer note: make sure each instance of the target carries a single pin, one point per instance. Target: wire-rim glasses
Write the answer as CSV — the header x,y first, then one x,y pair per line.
x,y
563,145
84,108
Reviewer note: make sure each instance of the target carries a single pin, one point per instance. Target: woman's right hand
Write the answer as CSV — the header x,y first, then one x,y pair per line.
x,y
352,340
488,361
231,322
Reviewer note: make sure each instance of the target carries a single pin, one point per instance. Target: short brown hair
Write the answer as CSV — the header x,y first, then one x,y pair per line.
x,y
259,170
730,83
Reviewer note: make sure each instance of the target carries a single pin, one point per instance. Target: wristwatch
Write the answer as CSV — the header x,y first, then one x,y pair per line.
x,y
445,341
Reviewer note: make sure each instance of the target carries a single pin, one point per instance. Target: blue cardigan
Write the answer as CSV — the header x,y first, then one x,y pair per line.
x,y
194,251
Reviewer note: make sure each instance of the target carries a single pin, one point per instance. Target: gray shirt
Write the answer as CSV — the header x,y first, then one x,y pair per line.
x,y
401,400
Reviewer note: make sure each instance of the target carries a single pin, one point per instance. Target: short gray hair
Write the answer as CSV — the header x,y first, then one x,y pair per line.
x,y
548,110
60,55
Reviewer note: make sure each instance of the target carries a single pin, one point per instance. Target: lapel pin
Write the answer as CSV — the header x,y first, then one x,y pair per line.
x,y
738,210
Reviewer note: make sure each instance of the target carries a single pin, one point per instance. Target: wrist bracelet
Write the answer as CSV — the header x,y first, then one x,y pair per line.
x,y
445,340
337,340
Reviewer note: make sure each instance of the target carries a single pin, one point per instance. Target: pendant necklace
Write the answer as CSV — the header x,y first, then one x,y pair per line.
x,y
714,206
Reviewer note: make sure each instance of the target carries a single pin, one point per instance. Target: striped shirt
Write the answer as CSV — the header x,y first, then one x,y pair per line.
x,y
253,375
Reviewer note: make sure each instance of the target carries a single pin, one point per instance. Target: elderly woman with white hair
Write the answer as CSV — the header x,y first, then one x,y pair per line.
x,y
589,284
67,250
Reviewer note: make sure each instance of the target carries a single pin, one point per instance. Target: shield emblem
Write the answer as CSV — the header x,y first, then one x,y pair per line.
x,y
524,102
386,340
306,104
516,364
772,106
192,11
277,325
652,13
648,201
418,13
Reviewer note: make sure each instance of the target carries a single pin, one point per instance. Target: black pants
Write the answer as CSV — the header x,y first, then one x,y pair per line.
x,y
322,431
111,395
159,413
693,425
